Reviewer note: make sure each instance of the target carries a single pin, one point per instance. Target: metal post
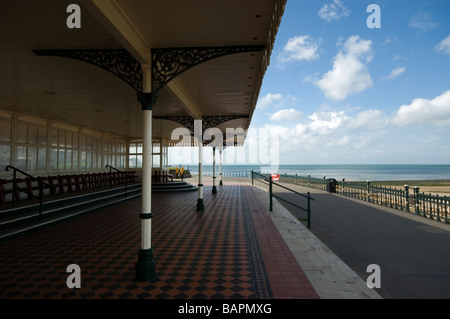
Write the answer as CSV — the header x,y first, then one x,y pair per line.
x,y
220,167
146,264
214,189
407,197
14,189
270,193
309,210
199,134
252,179
416,199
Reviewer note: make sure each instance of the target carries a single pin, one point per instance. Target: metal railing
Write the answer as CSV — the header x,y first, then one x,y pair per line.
x,y
16,189
123,178
235,174
431,206
267,179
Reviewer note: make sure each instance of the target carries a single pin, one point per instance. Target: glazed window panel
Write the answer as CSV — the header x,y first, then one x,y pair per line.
x,y
99,160
5,130
75,140
156,161
42,159
42,138
89,160
54,137
120,161
69,139
68,164
32,159
89,142
32,134
83,161
61,158
21,157
21,134
61,138
5,155
75,159
53,159
82,141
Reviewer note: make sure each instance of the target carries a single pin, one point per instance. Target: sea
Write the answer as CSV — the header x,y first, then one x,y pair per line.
x,y
351,172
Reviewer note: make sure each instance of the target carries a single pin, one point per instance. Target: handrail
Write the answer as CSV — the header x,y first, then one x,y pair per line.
x,y
27,175
113,168
271,195
16,188
119,171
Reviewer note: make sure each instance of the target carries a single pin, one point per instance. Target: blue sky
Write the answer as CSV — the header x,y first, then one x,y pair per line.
x,y
337,91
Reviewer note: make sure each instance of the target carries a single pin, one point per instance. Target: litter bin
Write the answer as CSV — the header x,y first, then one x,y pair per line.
x,y
331,185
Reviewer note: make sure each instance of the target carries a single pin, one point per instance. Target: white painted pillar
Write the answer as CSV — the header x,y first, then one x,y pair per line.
x,y
199,134
145,266
214,189
220,166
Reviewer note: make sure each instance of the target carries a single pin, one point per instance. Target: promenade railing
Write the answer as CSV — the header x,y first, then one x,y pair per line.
x,y
407,199
267,179
233,174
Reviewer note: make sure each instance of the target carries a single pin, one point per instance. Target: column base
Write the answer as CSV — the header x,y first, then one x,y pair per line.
x,y
200,205
214,190
145,266
220,183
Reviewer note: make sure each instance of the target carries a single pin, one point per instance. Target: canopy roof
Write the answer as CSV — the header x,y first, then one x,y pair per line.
x,y
82,94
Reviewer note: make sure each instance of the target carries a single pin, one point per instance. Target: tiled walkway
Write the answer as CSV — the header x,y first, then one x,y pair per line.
x,y
232,250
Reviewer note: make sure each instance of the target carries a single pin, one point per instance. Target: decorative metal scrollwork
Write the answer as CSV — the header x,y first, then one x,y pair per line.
x,y
168,63
118,61
213,121
186,121
207,122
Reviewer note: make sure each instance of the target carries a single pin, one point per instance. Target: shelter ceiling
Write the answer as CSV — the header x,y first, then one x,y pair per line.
x,y
80,94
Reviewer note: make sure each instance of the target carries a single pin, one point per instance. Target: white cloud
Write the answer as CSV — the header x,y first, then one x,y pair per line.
x,y
444,46
268,100
369,119
333,11
298,49
396,72
326,121
422,111
422,22
349,75
286,115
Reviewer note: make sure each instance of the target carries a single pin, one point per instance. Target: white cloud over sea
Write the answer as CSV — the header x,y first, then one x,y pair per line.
x,y
350,73
345,133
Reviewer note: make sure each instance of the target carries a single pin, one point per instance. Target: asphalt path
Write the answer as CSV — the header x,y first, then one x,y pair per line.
x,y
413,252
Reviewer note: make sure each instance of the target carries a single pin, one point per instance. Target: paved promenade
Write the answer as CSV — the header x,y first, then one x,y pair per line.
x,y
412,251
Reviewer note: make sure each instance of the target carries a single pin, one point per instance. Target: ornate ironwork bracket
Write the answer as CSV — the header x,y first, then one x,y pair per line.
x,y
214,121
207,122
119,62
168,63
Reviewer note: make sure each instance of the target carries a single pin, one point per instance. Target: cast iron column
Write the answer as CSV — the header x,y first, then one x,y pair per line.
x,y
214,189
145,266
199,134
220,167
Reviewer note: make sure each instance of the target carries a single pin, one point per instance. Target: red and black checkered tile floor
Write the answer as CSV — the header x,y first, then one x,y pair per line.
x,y
231,250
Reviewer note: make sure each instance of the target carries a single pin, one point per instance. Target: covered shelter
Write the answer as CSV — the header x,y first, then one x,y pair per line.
x,y
107,82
